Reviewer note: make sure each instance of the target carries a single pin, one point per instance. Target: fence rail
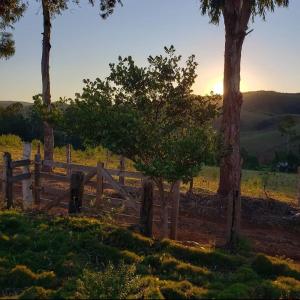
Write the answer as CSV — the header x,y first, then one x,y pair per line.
x,y
139,199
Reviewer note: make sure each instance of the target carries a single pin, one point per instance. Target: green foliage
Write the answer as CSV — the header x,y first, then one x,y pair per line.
x,y
235,291
10,12
36,292
67,258
149,115
10,140
112,283
213,8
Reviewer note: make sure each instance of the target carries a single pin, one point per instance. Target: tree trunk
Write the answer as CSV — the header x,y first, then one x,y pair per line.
x,y
48,131
236,18
164,210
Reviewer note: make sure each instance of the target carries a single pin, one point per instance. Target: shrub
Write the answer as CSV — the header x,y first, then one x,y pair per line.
x,y
35,292
266,290
125,239
46,279
235,291
21,277
289,287
152,293
212,259
267,268
10,140
112,283
181,290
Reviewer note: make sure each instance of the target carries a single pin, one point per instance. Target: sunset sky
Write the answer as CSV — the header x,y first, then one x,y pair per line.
x,y
83,45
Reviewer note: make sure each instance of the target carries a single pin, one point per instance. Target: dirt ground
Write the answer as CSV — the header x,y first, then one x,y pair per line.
x,y
272,227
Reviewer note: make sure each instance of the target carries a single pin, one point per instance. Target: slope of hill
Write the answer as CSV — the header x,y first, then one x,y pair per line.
x,y
4,104
261,114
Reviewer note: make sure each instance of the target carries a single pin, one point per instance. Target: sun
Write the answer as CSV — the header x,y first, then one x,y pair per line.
x,y
218,88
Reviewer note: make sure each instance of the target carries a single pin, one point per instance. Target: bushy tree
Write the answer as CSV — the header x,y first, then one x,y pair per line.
x,y
10,13
149,115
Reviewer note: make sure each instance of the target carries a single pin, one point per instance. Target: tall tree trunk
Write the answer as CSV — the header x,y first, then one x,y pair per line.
x,y
48,131
164,209
236,17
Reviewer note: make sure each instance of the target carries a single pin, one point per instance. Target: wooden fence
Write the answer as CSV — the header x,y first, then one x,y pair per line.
x,y
36,188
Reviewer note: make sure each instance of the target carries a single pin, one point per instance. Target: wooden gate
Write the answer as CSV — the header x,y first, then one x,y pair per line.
x,y
81,188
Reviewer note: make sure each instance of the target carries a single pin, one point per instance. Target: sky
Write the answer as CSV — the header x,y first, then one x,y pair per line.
x,y
83,45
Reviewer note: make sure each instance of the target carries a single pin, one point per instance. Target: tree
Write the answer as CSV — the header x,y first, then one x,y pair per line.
x,y
236,14
149,115
10,12
50,9
286,127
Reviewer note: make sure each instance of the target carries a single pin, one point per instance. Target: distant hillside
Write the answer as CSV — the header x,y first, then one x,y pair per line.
x,y
261,113
7,103
272,102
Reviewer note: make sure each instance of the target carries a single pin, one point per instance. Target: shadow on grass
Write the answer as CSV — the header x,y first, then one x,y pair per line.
x,y
41,257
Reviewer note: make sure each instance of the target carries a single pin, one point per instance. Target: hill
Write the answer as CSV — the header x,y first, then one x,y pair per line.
x,y
84,258
261,114
4,104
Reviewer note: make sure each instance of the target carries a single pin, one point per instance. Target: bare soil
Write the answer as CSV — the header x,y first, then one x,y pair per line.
x,y
272,227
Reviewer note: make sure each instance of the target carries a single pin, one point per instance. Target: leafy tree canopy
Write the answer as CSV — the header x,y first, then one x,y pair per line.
x,y
57,6
149,115
214,8
10,12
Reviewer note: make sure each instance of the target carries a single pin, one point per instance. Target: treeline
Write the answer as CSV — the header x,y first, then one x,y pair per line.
x,y
26,122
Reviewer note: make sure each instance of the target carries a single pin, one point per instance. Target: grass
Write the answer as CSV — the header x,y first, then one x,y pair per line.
x,y
280,186
49,258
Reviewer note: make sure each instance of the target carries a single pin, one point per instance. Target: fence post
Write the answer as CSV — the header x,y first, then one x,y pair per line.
x,y
191,187
76,192
69,159
175,197
299,186
99,186
26,184
7,182
122,169
38,151
146,212
37,178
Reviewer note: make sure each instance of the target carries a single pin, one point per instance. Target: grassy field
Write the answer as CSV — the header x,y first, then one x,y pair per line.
x,y
279,186
83,258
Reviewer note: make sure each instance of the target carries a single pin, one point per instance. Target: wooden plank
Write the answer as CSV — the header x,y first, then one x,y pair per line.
x,y
20,177
122,170
26,184
59,198
99,184
175,197
51,190
76,192
114,184
37,178
23,162
7,183
63,165
146,211
69,159
89,175
129,174
53,176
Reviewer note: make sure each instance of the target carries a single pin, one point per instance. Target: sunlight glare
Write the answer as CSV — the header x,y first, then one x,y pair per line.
x,y
218,88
